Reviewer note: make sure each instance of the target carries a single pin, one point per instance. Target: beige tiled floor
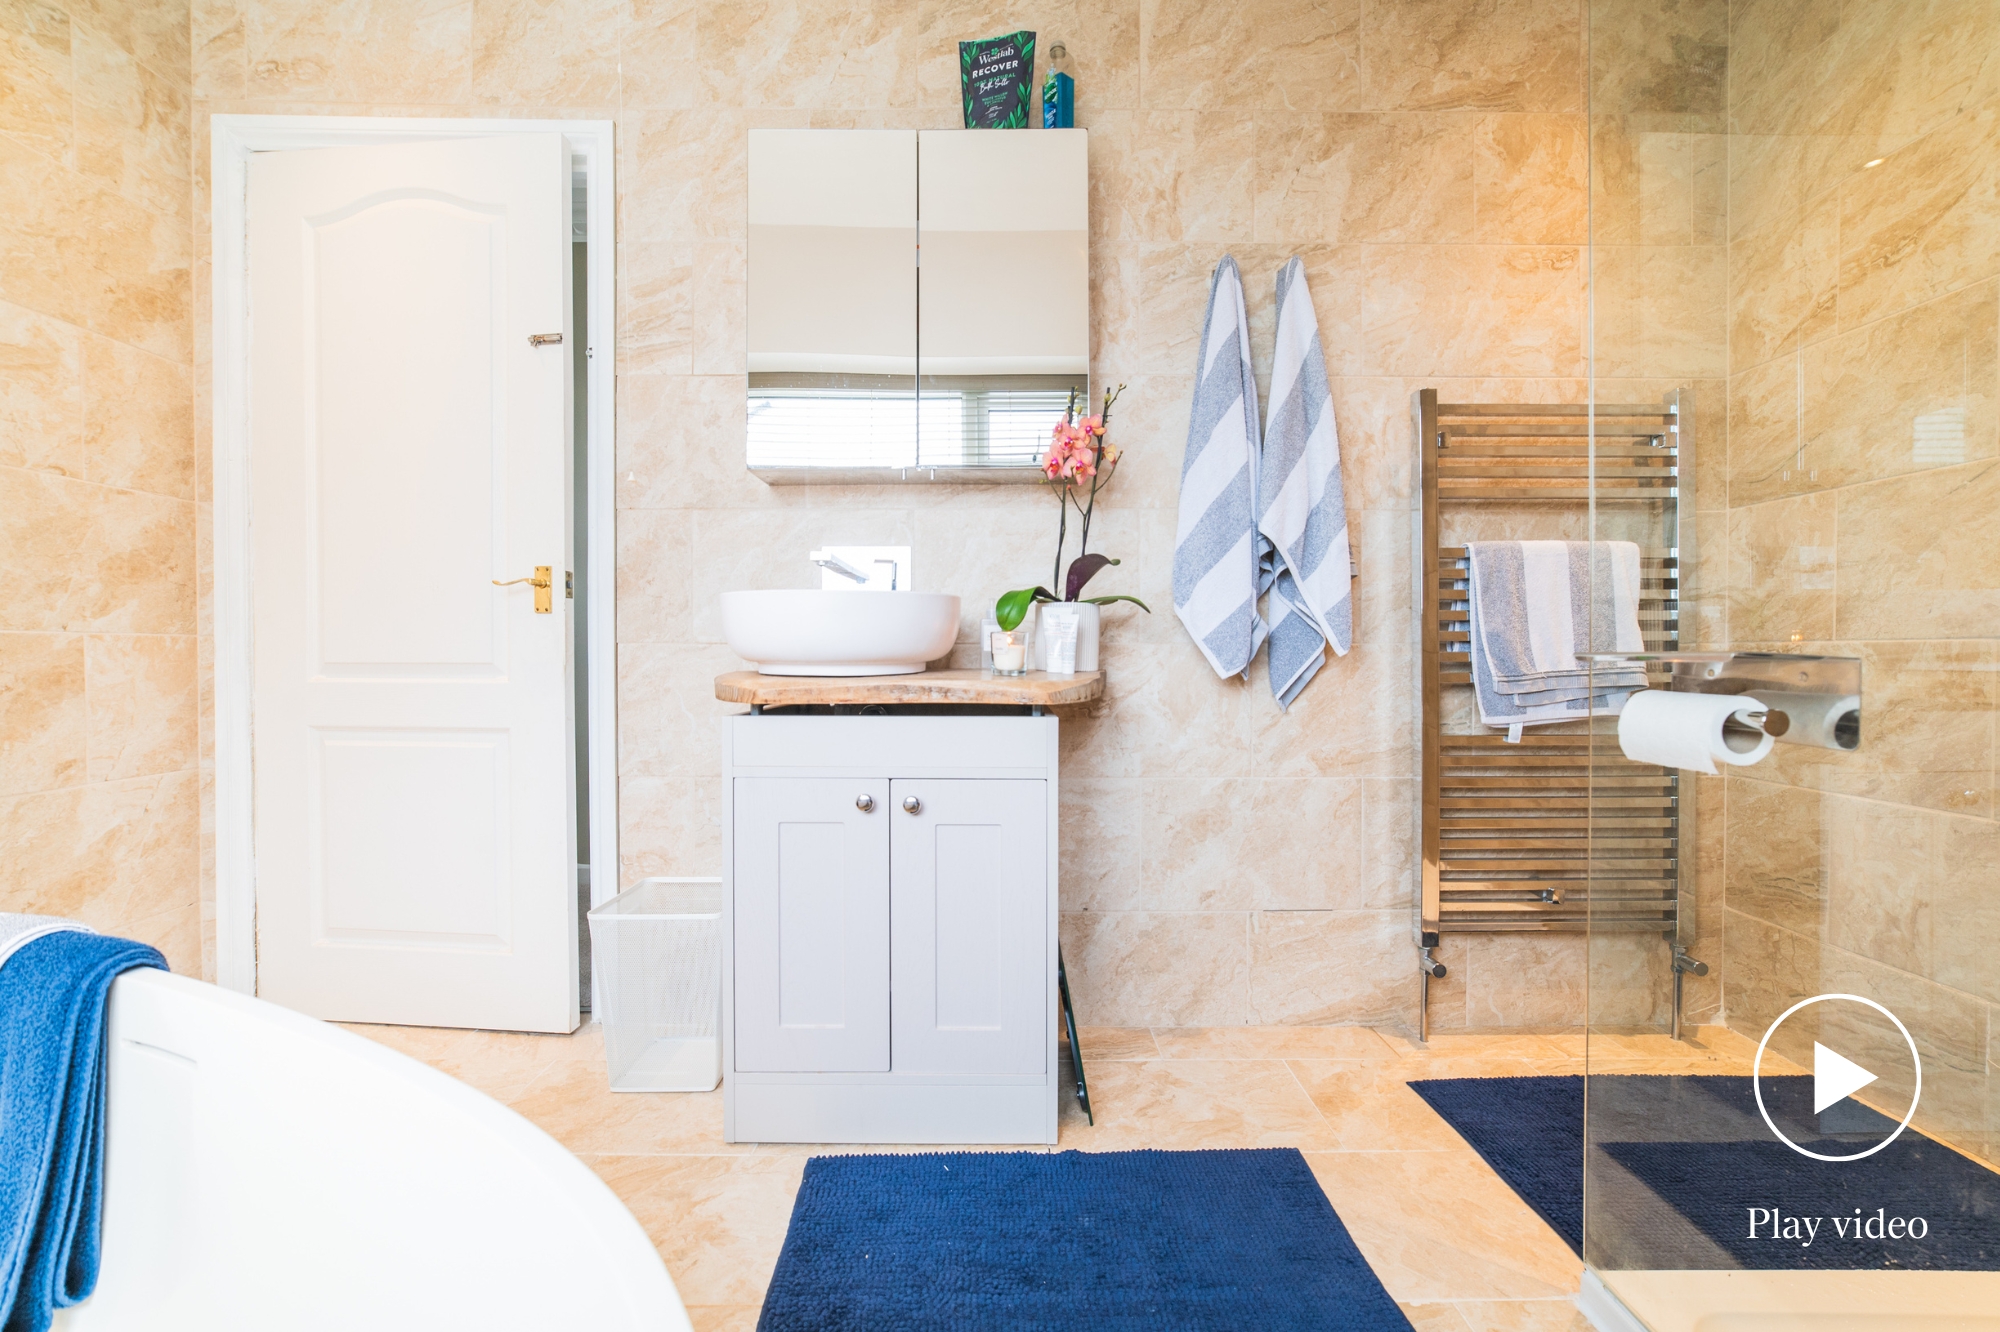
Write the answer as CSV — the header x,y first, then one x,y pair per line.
x,y
1453,1243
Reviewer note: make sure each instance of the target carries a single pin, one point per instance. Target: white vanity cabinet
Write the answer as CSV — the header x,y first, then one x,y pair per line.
x,y
890,968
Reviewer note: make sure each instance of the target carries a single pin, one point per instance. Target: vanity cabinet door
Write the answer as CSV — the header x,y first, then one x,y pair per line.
x,y
969,911
811,925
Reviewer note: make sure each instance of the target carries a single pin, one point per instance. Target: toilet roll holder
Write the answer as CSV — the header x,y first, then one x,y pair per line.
x,y
1809,700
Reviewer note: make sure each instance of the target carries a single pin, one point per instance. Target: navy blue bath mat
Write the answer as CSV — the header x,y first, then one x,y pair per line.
x,y
1679,1164
1100,1240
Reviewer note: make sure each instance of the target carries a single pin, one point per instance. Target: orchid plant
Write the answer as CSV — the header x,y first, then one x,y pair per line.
x,y
1079,463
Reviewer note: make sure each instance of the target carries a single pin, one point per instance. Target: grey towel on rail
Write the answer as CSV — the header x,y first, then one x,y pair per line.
x,y
1303,511
1217,549
1537,605
1545,603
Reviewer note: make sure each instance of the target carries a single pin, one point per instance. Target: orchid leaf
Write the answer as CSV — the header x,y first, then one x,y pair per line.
x,y
1081,570
1012,608
1106,601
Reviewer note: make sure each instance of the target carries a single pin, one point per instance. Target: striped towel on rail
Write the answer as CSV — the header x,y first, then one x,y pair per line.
x,y
1216,546
1303,510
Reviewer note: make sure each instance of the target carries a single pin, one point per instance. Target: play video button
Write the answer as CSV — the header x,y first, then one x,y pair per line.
x,y
1835,1078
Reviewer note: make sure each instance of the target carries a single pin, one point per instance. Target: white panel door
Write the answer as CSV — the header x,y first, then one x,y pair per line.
x,y
811,925
968,874
415,836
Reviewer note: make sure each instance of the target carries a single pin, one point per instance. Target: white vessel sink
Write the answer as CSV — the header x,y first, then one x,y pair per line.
x,y
839,633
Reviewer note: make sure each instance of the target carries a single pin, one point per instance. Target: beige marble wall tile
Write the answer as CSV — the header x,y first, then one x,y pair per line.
x,y
653,592
41,264
135,279
359,50
1264,54
1172,176
1102,843
44,725
138,428
680,447
1474,55
1374,176
1969,865
1771,42
1525,980
1766,442
1660,59
1912,391
666,728
659,56
1661,310
1882,876
1356,718
1782,570
1777,854
1137,968
1293,977
84,557
553,54
1896,71
217,37
842,53
131,122
1950,1031
143,699
656,309
1917,557
1766,970
1531,175
1234,844
120,856
1925,222
683,175
1470,310
668,825
36,41
1927,733
1783,281
41,393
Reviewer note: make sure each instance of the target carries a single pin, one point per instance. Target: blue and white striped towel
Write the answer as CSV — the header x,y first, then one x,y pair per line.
x,y
1303,512
1216,545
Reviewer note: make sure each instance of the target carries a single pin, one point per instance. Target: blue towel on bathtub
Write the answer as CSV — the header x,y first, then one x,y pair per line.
x,y
53,990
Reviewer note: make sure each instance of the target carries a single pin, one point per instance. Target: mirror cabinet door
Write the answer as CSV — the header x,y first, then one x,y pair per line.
x,y
1003,333
832,299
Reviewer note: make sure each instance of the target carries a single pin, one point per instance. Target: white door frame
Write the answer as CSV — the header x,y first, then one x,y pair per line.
x,y
232,140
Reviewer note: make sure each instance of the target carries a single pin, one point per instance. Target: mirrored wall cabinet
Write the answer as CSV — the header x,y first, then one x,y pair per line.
x,y
919,301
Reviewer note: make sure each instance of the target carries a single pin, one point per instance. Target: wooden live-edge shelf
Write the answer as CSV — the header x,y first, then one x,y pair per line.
x,y
1035,689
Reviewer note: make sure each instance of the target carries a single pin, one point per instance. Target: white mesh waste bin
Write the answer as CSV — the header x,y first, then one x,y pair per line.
x,y
656,954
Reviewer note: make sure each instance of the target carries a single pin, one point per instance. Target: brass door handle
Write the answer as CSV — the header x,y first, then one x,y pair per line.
x,y
541,582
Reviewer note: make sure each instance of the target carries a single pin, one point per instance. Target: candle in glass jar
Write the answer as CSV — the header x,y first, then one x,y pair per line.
x,y
1009,657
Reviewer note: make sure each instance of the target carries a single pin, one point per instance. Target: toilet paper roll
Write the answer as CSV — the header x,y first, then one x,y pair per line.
x,y
1686,730
1824,721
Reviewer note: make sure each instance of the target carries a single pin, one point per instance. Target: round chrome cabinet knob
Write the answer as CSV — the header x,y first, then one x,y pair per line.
x,y
864,803
912,805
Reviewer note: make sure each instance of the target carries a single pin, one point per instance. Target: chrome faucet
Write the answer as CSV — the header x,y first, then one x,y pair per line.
x,y
864,566
826,559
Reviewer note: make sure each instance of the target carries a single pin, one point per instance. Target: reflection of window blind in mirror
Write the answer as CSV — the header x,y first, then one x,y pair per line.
x,y
998,421
799,420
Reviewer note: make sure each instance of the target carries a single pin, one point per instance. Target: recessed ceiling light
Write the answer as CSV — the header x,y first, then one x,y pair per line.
x,y
1877,162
